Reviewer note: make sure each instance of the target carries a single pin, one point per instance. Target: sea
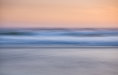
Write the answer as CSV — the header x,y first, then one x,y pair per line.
x,y
59,37
59,51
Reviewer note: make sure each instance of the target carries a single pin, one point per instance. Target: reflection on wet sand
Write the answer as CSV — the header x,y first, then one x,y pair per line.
x,y
52,61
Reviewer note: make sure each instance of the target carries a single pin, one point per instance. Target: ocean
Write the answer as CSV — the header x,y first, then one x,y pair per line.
x,y
59,37
59,51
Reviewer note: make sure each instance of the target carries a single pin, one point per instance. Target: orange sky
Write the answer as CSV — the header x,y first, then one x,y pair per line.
x,y
59,13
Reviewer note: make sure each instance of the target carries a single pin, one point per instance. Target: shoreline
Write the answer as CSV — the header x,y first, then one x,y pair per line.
x,y
53,61
54,46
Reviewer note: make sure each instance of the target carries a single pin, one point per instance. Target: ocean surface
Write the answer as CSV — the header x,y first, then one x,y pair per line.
x,y
59,37
75,57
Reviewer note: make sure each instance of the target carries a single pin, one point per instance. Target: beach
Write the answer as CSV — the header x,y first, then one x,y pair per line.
x,y
58,61
59,37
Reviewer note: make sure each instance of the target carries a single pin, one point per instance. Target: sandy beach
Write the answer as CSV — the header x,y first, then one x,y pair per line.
x,y
58,61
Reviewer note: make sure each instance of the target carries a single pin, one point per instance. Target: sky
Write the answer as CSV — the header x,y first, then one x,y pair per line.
x,y
59,13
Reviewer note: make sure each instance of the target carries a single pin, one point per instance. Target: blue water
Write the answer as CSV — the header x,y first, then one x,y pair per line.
x,y
46,37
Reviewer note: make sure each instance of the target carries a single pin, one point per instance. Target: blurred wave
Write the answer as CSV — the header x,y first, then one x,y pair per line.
x,y
79,37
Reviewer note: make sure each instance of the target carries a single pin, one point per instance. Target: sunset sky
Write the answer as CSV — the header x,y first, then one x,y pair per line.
x,y
59,13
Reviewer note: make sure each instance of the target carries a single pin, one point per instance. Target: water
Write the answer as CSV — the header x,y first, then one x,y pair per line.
x,y
66,56
62,37
54,61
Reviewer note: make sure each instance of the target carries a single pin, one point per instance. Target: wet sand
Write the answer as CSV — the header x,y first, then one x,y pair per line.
x,y
55,61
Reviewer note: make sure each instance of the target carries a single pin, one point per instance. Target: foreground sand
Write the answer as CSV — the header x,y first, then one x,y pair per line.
x,y
55,61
